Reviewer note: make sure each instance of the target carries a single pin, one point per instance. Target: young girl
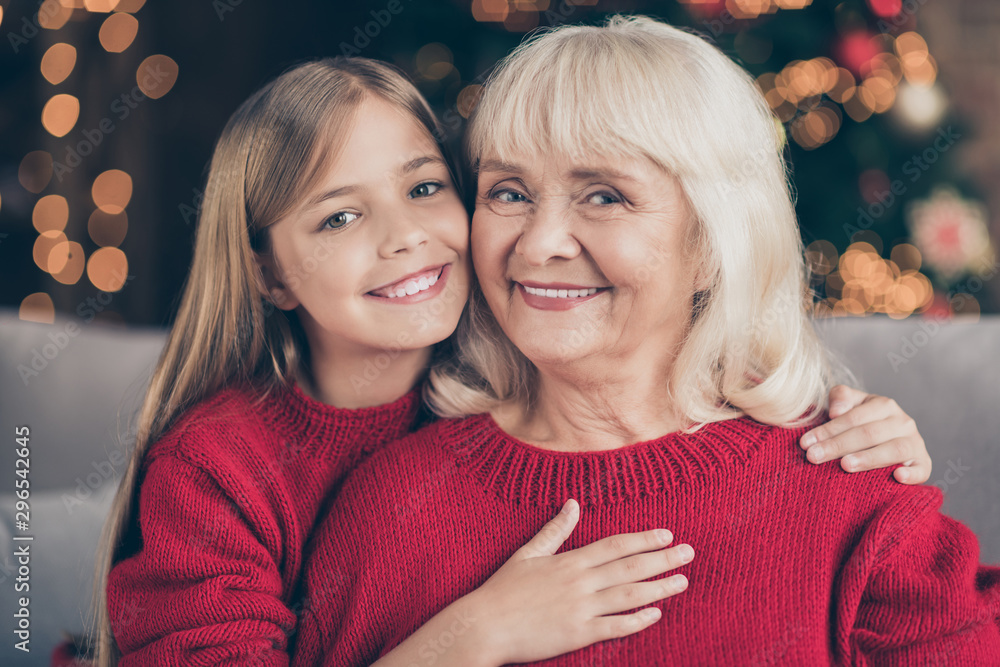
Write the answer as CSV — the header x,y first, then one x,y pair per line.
x,y
331,258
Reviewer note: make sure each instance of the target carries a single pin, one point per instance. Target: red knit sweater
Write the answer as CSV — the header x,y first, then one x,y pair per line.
x,y
228,498
796,564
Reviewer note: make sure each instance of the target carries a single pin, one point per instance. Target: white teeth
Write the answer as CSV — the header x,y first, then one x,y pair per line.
x,y
413,286
560,294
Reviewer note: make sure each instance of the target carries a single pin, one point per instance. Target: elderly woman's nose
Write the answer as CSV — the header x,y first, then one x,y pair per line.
x,y
546,234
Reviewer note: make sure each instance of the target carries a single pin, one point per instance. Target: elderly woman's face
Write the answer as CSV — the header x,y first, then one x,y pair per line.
x,y
584,259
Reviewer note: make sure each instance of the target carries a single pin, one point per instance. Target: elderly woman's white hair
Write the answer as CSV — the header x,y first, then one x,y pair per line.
x,y
639,88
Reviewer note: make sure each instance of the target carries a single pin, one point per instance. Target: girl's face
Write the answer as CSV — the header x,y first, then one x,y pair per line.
x,y
376,257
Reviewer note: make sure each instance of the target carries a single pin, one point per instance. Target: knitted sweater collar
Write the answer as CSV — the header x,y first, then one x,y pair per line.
x,y
523,473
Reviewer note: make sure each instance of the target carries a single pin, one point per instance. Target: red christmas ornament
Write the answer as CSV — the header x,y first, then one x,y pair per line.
x,y
886,9
857,49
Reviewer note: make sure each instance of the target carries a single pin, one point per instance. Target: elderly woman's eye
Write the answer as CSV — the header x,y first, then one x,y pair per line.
x,y
509,196
339,220
603,199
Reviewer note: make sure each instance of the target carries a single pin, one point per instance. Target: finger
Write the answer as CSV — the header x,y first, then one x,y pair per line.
x,y
630,596
844,398
552,535
603,628
873,409
862,438
619,546
918,473
896,450
641,566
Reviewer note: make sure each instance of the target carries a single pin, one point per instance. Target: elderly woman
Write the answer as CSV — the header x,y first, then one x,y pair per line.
x,y
638,341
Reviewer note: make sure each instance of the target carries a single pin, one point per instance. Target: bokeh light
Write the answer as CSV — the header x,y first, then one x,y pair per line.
x,y
112,191
118,31
37,307
67,262
107,229
35,171
60,114
107,269
156,75
58,62
44,244
53,15
51,213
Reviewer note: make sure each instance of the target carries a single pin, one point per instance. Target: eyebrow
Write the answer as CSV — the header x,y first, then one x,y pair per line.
x,y
403,169
579,173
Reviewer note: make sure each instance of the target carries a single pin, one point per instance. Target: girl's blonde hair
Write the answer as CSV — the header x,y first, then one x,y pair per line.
x,y
271,154
637,88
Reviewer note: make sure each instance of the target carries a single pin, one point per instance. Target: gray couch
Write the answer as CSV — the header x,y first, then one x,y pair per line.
x,y
79,397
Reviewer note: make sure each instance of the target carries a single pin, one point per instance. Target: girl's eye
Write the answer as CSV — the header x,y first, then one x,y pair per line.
x,y
603,199
340,219
424,190
509,197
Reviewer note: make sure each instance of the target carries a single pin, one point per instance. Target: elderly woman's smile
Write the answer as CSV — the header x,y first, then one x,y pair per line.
x,y
576,257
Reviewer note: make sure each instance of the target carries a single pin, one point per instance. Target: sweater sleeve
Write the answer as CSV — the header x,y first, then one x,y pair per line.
x,y
332,622
926,598
203,589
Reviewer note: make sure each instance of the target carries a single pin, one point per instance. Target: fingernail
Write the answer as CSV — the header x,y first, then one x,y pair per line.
x,y
815,454
686,552
567,507
650,614
851,462
664,535
902,475
808,440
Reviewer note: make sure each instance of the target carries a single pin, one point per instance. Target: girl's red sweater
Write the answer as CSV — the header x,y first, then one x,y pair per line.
x,y
795,563
228,498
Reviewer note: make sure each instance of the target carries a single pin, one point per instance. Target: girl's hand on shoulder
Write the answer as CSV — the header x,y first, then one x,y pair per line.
x,y
868,431
540,604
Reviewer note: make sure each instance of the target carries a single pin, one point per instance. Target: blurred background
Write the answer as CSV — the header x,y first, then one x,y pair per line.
x,y
111,108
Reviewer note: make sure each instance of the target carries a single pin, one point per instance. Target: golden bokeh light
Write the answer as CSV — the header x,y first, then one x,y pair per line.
x,y
35,171
58,62
490,10
156,75
37,307
107,229
100,6
51,213
434,61
53,15
821,257
906,256
130,6
67,262
107,269
468,99
44,244
112,191
118,31
60,114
